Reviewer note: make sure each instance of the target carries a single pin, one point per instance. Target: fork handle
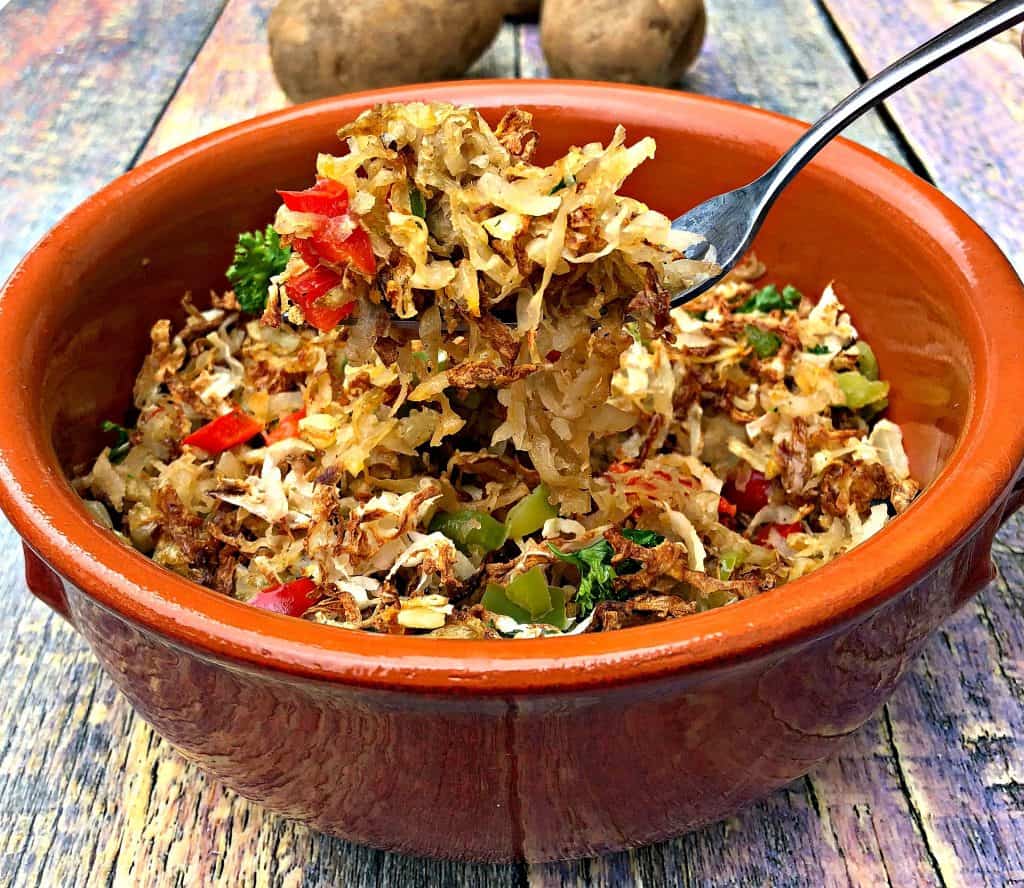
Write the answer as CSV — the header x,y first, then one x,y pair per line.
x,y
976,28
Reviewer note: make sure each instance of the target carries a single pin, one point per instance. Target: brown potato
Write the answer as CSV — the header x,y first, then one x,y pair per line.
x,y
642,41
325,47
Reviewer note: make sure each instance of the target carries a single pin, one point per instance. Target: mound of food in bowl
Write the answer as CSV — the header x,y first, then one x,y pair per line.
x,y
446,394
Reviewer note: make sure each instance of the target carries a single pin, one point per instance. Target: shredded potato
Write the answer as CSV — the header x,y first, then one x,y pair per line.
x,y
651,462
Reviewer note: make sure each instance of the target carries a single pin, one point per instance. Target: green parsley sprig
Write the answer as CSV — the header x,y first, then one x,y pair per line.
x,y
597,574
259,255
770,299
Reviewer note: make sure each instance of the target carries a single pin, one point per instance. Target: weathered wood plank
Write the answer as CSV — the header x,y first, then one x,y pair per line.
x,y
80,87
500,58
783,57
531,56
965,121
230,80
780,56
962,708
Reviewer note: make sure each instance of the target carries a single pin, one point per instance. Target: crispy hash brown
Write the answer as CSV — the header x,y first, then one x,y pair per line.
x,y
446,395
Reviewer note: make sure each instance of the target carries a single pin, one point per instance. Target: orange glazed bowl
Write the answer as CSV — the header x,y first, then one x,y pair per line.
x,y
546,748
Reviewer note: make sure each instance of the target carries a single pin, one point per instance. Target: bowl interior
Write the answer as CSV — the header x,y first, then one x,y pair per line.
x,y
176,235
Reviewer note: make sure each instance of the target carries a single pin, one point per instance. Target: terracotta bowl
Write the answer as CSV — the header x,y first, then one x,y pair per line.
x,y
520,749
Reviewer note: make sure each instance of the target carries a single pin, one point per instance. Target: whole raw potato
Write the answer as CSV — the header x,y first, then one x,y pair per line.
x,y
640,41
324,47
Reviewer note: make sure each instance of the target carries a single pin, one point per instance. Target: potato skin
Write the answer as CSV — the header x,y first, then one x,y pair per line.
x,y
325,47
640,41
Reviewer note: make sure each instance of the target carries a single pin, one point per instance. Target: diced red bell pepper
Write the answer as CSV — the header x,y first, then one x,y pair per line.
x,y
287,427
325,198
762,536
620,468
306,288
751,498
305,249
224,432
726,508
293,599
336,242
326,318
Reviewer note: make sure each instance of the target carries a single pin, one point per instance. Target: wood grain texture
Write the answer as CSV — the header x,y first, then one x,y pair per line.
x,y
931,792
965,120
780,56
229,81
232,78
784,57
81,84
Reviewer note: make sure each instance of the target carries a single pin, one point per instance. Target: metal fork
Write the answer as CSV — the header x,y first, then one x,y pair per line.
x,y
728,222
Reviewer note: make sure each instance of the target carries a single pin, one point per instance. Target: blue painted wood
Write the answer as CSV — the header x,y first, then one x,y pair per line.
x,y
81,85
963,121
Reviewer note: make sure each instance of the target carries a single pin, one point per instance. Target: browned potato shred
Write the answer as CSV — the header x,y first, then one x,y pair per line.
x,y
631,416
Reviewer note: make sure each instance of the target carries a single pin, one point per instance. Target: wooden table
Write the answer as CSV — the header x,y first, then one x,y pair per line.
x,y
930,792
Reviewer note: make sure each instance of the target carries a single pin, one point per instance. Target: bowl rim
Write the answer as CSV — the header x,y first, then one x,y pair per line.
x,y
985,461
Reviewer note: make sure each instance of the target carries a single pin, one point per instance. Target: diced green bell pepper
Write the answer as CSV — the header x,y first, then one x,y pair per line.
x,y
875,410
860,391
527,599
556,616
530,592
474,533
867,363
728,562
718,598
770,299
529,514
496,601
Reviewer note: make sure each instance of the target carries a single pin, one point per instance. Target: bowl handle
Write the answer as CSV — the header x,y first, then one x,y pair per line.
x,y
979,569
1016,498
44,583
